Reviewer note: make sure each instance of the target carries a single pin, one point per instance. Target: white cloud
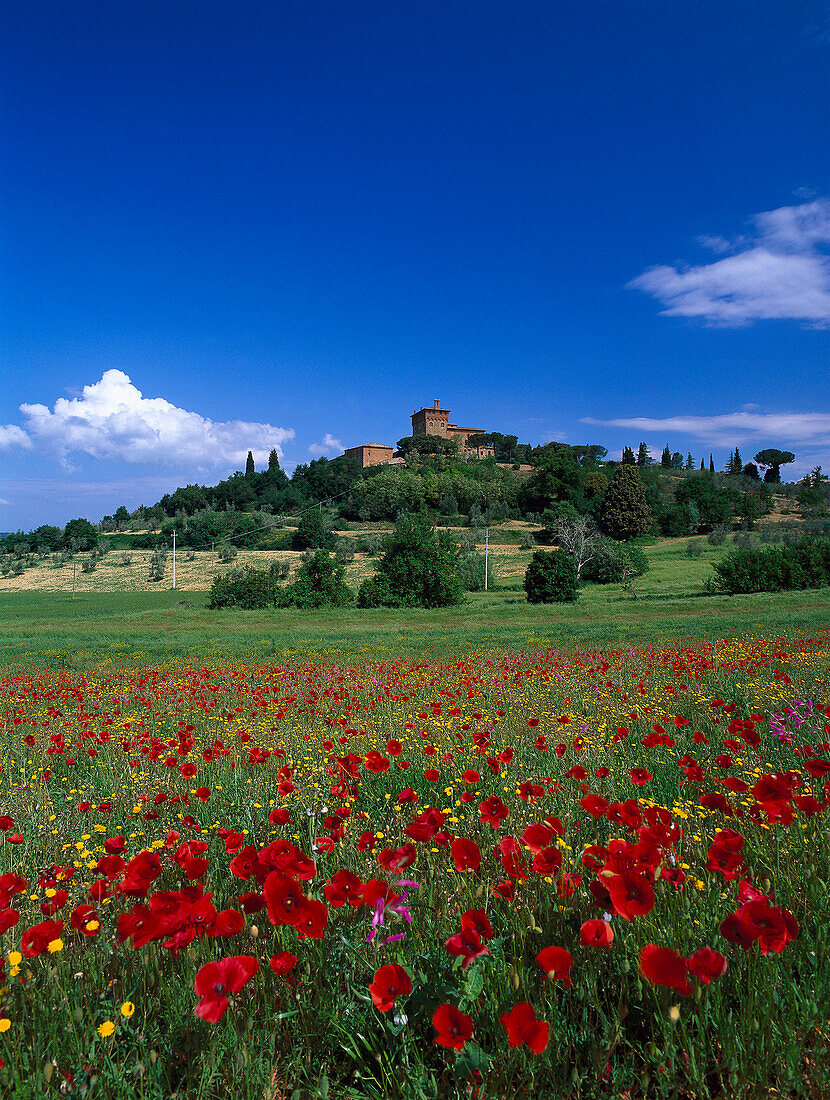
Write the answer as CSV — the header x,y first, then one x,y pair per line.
x,y
113,420
729,429
13,438
2,501
328,446
780,270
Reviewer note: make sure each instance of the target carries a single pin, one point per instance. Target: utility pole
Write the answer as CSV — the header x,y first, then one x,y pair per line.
x,y
486,553
74,570
174,557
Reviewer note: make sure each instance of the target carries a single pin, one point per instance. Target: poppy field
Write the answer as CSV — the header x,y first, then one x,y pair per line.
x,y
553,872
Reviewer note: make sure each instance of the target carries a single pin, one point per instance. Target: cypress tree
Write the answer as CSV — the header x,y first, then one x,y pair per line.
x,y
625,510
711,465
665,458
249,465
628,456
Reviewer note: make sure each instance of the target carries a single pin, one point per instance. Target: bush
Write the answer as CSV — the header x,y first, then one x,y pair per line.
x,y
418,569
717,536
470,571
314,532
694,548
246,587
551,578
609,563
319,583
805,564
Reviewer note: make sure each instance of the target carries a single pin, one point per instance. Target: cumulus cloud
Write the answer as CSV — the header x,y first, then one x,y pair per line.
x,y
13,438
113,420
781,269
328,446
729,429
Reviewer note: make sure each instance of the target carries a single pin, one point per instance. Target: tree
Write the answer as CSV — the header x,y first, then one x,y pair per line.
x,y
580,538
417,569
772,460
319,583
643,457
701,464
551,578
250,469
273,459
121,519
628,456
314,532
625,510
83,532
711,465
750,470
665,458
690,462
677,460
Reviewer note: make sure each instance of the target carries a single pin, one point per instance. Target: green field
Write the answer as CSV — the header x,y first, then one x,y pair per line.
x,y
50,629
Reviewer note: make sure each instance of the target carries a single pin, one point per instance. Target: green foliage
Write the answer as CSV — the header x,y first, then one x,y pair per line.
x,y
83,532
803,564
320,582
246,587
625,510
470,571
612,559
417,569
551,578
772,460
250,468
315,531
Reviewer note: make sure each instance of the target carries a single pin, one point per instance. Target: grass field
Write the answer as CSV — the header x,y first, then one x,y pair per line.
x,y
46,628
486,851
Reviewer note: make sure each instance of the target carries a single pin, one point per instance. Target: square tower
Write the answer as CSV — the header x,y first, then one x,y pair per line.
x,y
432,421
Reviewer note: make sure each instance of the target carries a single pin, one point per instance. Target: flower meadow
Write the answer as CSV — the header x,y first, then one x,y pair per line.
x,y
549,872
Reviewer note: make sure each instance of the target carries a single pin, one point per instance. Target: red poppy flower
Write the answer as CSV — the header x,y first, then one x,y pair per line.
x,y
312,919
594,804
454,1028
36,939
547,861
522,1026
492,811
556,963
466,945
706,965
596,933
342,887
283,896
631,894
216,979
465,854
390,982
283,962
475,920
639,776
228,922
662,966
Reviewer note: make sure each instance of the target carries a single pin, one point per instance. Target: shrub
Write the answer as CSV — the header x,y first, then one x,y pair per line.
x,y
314,532
717,536
470,571
228,552
246,587
319,583
625,510
551,578
804,564
612,559
417,569
694,548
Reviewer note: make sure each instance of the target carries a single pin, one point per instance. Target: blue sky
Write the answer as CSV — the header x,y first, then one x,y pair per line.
x,y
241,225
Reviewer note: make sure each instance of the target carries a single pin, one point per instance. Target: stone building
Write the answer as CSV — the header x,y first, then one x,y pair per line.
x,y
370,454
435,421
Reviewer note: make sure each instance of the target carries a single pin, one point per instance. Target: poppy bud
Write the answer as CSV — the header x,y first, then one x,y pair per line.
x,y
254,933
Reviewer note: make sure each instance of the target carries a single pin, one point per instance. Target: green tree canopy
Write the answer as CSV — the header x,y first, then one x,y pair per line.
x,y
417,569
772,460
625,510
